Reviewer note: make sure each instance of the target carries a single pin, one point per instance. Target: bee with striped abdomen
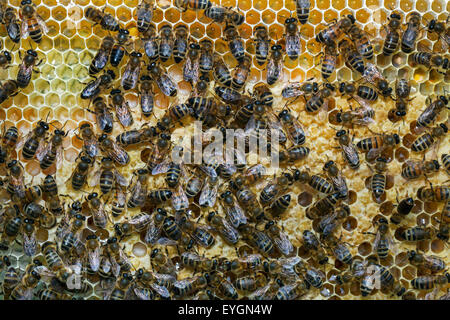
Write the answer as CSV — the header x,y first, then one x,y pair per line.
x,y
34,140
402,91
404,207
206,61
351,56
445,158
302,7
162,79
32,23
138,190
334,31
132,70
191,68
94,87
234,212
259,240
79,175
241,73
392,30
97,210
146,96
415,234
361,41
53,151
431,281
220,225
431,112
381,144
425,141
151,45
144,14
262,44
106,21
113,150
279,238
410,35
225,14
328,60
12,24
121,107
292,38
349,152
26,68
118,50
101,58
180,46
183,5
378,180
320,99
166,42
430,263
360,116
275,64
220,71
235,42
413,169
107,176
383,242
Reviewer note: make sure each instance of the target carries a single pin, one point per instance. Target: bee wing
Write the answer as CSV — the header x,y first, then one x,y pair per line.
x,y
392,244
362,102
230,232
161,167
42,151
273,69
283,243
94,259
140,219
180,200
339,182
351,152
376,242
141,293
292,90
260,294
41,23
101,59
236,215
91,147
153,233
120,179
211,172
59,156
95,179
208,195
166,242
44,272
374,153
428,112
29,244
292,44
127,73
251,125
24,29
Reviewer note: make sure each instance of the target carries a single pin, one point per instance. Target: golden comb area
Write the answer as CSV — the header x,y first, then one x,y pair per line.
x,y
71,43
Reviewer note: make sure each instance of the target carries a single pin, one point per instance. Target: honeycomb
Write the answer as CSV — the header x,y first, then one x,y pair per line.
x,y
72,42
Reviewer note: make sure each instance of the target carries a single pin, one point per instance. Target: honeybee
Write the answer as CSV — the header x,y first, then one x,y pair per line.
x,y
118,258
319,99
220,71
122,108
90,143
292,38
113,150
106,21
164,82
294,90
382,144
8,89
273,189
33,142
180,47
32,23
100,60
241,73
339,249
191,65
409,37
54,261
146,97
430,263
439,27
359,116
225,14
361,41
402,91
118,50
220,225
166,42
259,240
132,137
392,34
431,112
199,232
103,117
311,243
413,169
206,61
303,7
292,291
335,175
436,193
144,14
107,176
262,44
235,42
94,87
444,223
275,64
378,180
328,60
97,210
383,242
131,74
416,234
53,151
425,141
151,45
445,158
12,227
234,213
12,24
427,59
331,221
183,5
279,238
189,286
335,30
26,68
404,207
9,139
79,175
70,238
351,56
430,282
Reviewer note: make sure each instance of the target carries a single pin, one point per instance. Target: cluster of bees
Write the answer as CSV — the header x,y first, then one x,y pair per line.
x,y
220,195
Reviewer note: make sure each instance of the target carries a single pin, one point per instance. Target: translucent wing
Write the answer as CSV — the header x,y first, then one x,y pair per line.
x,y
91,147
236,215
251,125
166,242
351,153
292,45
142,293
261,294
376,242
180,200
161,167
371,74
283,243
161,290
274,69
292,90
44,272
94,259
41,152
24,29
230,233
95,179
120,179
41,23
362,116
153,232
29,244
115,267
208,195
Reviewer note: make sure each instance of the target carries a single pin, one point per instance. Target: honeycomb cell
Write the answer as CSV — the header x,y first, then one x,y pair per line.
x,y
59,13
437,5
252,17
315,17
338,4
275,5
268,16
330,15
197,30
